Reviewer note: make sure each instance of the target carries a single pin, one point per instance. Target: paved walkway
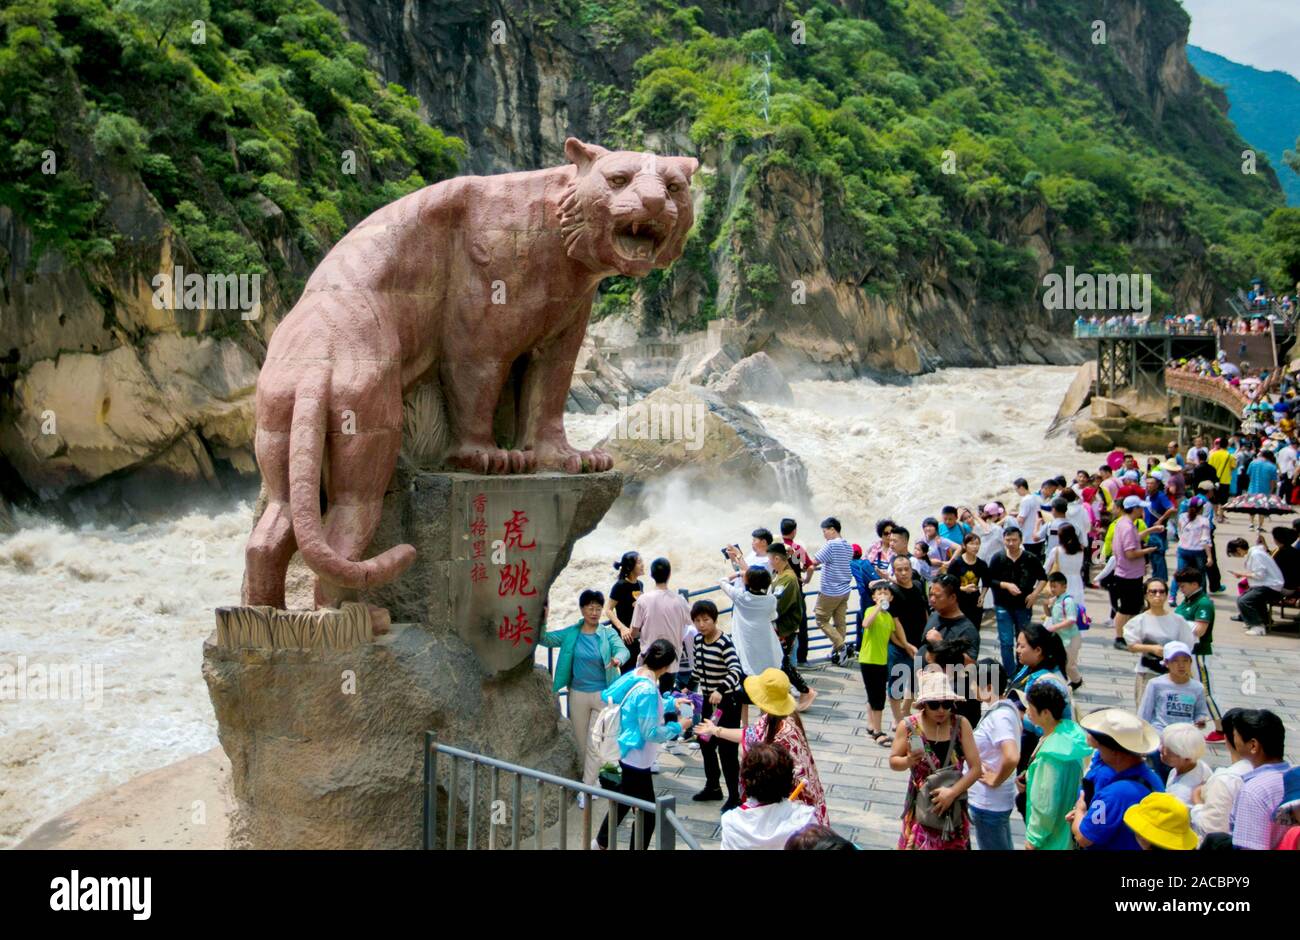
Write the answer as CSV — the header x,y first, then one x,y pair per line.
x,y
865,797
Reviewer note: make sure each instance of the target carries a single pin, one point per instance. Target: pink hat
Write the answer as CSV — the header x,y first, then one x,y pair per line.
x,y
992,509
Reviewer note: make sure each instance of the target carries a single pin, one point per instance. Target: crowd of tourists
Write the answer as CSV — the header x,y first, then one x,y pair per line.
x,y
981,733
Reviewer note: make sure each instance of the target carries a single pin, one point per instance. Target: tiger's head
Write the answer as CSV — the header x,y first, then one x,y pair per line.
x,y
626,212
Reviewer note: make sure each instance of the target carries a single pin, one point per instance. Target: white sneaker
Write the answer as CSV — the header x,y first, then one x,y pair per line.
x,y
1255,631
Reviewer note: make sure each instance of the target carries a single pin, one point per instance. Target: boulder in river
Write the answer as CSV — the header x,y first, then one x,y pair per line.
x,y
754,378
695,431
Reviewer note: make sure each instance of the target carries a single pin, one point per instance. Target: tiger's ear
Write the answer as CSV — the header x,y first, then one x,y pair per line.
x,y
582,155
688,165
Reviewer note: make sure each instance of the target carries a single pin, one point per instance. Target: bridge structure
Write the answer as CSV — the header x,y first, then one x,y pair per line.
x,y
1135,356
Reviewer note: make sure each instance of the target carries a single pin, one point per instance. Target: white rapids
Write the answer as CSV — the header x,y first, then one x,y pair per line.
x,y
138,601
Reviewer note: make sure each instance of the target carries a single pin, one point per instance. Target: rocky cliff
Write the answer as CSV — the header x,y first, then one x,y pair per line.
x,y
884,184
514,79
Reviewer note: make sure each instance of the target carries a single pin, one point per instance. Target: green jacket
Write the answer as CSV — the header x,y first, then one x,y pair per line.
x,y
789,614
611,647
1052,786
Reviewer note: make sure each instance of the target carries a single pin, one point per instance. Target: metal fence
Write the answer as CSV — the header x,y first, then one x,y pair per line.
x,y
667,830
821,645
668,827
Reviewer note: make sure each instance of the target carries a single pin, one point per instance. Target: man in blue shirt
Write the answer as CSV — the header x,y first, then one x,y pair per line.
x,y
950,528
1118,777
1159,507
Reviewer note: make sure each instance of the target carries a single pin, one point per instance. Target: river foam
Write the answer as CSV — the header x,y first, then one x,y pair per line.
x,y
137,601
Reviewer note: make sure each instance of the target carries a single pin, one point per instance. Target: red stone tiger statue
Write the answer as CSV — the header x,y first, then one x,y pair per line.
x,y
473,293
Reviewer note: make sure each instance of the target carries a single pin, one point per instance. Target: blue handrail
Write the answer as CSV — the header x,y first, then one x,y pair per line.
x,y
821,643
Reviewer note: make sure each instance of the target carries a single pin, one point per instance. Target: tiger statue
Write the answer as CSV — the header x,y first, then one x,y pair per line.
x,y
471,295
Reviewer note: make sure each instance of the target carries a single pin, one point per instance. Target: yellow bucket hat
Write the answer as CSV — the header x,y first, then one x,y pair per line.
x,y
1163,820
770,691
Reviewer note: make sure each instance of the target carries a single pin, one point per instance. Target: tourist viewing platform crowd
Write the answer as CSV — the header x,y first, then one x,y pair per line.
x,y
1187,325
979,733
1252,383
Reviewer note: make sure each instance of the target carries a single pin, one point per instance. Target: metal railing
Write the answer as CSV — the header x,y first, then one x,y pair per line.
x,y
667,830
668,826
1116,329
821,644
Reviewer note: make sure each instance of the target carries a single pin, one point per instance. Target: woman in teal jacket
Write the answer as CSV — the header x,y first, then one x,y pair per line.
x,y
590,654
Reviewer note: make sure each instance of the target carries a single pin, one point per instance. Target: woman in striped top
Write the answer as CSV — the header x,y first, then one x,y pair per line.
x,y
717,675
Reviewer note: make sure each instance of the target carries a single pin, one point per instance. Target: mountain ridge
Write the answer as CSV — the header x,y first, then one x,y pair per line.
x,y
1265,108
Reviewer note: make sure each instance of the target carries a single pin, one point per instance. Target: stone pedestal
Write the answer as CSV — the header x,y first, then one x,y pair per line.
x,y
326,741
487,551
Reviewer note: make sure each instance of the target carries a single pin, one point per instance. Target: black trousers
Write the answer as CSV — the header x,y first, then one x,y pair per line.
x,y
803,629
636,783
716,751
787,667
633,654
1212,573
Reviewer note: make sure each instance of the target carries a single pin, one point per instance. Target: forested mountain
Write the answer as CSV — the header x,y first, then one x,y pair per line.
x,y
884,183
1265,108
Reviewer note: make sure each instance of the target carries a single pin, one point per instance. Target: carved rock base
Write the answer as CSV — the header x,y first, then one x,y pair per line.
x,y
326,745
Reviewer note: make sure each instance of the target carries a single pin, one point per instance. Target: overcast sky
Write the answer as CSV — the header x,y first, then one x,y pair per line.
x,y
1262,33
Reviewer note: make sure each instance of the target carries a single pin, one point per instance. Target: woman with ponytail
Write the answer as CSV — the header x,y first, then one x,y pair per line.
x,y
622,598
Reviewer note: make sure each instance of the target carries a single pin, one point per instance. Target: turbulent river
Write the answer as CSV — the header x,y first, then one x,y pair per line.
x,y
133,605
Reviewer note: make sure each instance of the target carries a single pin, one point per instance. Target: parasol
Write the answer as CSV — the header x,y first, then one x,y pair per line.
x,y
1264,504
1115,459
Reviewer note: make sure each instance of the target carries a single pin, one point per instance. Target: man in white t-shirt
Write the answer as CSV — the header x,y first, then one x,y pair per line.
x,y
1265,580
1286,465
1028,519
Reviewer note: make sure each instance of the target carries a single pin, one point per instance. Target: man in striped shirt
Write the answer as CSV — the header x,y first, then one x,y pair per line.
x,y
717,675
837,581
1259,737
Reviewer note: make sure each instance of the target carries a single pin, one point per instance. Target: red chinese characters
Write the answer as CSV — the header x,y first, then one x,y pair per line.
x,y
517,630
514,580
515,577
478,529
515,531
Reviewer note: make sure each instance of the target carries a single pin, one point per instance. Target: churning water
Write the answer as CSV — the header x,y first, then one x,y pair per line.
x,y
138,601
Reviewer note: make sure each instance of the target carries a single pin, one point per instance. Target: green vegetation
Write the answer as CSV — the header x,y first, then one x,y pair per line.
x,y
931,130
1265,109
272,106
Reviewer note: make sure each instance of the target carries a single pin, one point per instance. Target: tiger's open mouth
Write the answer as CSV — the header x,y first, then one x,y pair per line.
x,y
639,241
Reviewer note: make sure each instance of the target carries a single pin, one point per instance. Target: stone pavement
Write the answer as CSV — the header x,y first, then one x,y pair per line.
x,y
865,797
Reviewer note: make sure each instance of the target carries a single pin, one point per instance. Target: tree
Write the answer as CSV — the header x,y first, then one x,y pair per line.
x,y
1282,232
161,17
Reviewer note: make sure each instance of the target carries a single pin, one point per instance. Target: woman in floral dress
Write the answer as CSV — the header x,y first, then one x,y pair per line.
x,y
922,745
778,724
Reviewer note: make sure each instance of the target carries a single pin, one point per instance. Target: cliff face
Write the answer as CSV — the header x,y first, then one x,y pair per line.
x,y
97,384
101,383
550,75
514,78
